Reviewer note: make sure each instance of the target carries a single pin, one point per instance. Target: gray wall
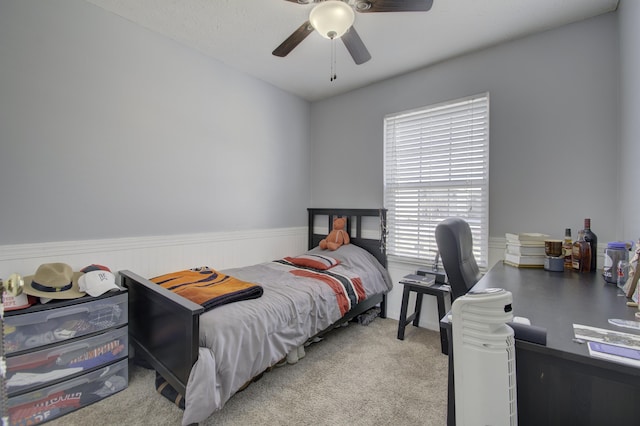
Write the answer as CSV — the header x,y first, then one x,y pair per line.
x,y
109,130
554,151
629,205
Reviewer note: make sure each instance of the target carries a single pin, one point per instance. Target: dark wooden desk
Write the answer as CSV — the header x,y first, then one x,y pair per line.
x,y
560,384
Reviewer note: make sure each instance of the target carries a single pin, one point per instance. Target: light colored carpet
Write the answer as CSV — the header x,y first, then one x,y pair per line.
x,y
358,375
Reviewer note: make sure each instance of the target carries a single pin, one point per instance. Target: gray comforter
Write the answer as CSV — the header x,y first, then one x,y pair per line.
x,y
240,340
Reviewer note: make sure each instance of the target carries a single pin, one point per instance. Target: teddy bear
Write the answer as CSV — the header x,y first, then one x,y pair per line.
x,y
337,237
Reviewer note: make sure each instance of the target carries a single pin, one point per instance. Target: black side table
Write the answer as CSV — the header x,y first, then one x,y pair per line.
x,y
428,286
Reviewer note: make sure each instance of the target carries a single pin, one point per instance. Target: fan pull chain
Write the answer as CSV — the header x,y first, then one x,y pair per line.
x,y
333,60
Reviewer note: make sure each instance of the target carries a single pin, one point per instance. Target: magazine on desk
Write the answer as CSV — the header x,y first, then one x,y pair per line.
x,y
609,344
615,353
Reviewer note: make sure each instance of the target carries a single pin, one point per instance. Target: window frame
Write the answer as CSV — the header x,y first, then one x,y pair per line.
x,y
421,142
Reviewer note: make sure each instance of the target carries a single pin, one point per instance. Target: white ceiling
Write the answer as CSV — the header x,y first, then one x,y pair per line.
x,y
243,33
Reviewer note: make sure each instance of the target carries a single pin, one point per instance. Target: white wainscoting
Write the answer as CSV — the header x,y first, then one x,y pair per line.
x,y
151,256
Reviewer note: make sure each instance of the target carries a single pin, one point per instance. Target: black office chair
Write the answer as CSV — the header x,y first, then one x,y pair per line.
x,y
455,244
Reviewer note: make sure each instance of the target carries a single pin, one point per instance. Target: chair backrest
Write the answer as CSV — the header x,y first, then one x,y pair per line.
x,y
455,244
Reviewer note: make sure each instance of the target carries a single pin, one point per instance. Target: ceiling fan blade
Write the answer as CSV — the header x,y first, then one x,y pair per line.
x,y
370,6
304,1
293,40
355,46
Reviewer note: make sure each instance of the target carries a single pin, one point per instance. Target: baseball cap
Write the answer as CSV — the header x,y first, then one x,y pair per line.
x,y
97,282
95,267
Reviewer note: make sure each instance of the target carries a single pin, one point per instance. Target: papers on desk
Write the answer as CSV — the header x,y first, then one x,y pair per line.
x,y
602,335
635,325
608,344
615,353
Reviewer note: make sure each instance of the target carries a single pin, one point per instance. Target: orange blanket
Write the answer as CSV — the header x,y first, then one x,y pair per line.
x,y
208,287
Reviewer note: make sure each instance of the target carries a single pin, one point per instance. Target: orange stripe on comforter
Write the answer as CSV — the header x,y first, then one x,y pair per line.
x,y
349,291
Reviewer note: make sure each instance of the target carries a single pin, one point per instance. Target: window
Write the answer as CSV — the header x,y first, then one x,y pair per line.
x,y
437,166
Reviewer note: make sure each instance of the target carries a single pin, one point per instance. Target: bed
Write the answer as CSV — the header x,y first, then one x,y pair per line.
x,y
207,356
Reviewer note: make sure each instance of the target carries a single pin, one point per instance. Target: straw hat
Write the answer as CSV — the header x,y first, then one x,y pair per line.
x,y
53,281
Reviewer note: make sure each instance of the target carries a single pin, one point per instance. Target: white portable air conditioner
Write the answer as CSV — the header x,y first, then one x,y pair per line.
x,y
484,359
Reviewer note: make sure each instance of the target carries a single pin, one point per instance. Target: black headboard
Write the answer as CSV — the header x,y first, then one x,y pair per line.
x,y
376,246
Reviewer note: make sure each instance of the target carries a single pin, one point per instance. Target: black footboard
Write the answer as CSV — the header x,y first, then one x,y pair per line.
x,y
163,328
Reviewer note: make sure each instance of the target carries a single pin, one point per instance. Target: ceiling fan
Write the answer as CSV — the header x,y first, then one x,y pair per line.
x,y
334,19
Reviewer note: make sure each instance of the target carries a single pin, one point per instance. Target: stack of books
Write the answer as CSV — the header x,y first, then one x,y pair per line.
x,y
525,250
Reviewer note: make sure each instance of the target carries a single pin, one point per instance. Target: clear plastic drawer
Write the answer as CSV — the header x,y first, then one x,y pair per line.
x,y
54,401
46,366
26,331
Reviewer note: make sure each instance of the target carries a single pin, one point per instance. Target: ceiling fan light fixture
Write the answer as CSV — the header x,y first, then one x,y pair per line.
x,y
332,18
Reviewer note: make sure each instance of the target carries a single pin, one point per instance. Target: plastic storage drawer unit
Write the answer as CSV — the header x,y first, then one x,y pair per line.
x,y
34,329
54,401
47,366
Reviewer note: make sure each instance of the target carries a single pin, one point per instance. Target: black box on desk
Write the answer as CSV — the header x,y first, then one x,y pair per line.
x,y
439,276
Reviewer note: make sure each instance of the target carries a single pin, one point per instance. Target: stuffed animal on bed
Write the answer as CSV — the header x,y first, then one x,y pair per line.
x,y
337,237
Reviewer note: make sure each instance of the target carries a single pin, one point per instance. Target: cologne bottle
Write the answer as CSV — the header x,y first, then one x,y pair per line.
x,y
581,254
567,247
592,239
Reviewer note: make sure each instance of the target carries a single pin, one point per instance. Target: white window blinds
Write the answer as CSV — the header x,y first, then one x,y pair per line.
x,y
437,166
